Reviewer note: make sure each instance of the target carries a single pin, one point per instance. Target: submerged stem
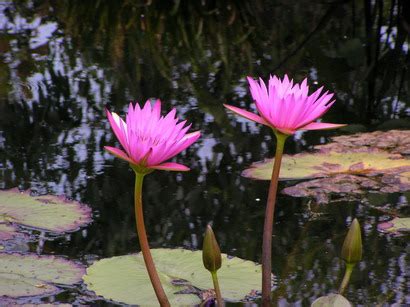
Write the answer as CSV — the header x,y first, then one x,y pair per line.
x,y
142,236
346,277
268,225
217,289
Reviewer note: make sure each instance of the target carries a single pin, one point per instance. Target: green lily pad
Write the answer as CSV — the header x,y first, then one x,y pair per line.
x,y
53,214
7,232
324,164
331,300
124,278
395,226
32,275
348,187
393,141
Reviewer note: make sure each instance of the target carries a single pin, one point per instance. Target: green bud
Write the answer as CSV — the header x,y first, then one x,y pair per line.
x,y
352,246
211,254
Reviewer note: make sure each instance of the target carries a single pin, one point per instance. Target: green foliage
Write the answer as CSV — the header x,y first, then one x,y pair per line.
x,y
124,278
51,213
29,275
331,300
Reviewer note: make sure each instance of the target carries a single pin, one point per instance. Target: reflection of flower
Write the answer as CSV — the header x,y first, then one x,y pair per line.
x,y
286,106
149,139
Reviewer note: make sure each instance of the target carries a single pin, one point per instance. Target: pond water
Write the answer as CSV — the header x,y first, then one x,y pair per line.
x,y
62,62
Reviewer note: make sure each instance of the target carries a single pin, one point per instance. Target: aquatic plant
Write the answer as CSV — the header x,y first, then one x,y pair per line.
x,y
186,282
149,139
211,257
285,107
351,252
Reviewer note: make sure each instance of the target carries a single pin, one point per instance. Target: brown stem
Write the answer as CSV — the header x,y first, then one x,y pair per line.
x,y
268,225
142,236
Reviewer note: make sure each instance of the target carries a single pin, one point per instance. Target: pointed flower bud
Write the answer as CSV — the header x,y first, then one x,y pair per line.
x,y
211,254
352,246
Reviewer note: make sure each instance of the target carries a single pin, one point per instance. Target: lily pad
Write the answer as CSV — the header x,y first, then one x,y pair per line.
x,y
393,141
395,226
7,232
324,164
331,300
32,275
53,214
124,278
348,187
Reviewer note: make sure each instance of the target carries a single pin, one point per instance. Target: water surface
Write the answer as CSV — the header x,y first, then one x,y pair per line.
x,y
62,62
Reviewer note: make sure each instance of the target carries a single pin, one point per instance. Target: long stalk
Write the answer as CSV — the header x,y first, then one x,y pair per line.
x,y
268,225
142,236
346,277
217,289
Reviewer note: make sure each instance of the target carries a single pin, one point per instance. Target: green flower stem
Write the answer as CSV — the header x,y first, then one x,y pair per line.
x,y
142,236
346,277
268,225
217,289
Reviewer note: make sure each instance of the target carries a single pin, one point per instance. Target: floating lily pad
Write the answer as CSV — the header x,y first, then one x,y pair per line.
x,y
348,187
32,275
46,212
395,226
124,278
7,232
393,141
331,300
324,164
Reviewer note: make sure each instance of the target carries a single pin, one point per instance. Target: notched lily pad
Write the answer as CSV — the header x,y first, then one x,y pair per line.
x,y
331,300
8,232
329,163
53,214
33,275
393,141
124,279
396,226
347,168
348,187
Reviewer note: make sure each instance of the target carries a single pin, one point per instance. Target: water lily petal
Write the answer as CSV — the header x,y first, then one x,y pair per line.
x,y
171,166
321,126
248,115
119,154
119,127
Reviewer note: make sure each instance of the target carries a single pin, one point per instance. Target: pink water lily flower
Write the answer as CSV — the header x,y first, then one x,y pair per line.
x,y
286,106
149,139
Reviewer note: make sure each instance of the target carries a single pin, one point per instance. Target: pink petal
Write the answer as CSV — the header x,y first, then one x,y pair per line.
x,y
320,126
157,108
119,128
118,153
181,145
171,166
246,114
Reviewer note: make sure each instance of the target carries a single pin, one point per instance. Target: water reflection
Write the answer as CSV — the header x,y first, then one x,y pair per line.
x,y
62,62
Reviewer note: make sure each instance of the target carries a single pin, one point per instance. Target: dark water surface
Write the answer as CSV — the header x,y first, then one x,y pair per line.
x,y
62,62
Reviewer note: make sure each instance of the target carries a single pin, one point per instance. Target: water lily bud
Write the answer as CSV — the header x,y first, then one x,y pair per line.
x,y
352,246
211,254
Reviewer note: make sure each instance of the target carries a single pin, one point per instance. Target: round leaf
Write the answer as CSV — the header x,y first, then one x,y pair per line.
x,y
348,187
323,164
12,285
124,279
395,226
29,275
393,141
7,232
331,300
46,212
